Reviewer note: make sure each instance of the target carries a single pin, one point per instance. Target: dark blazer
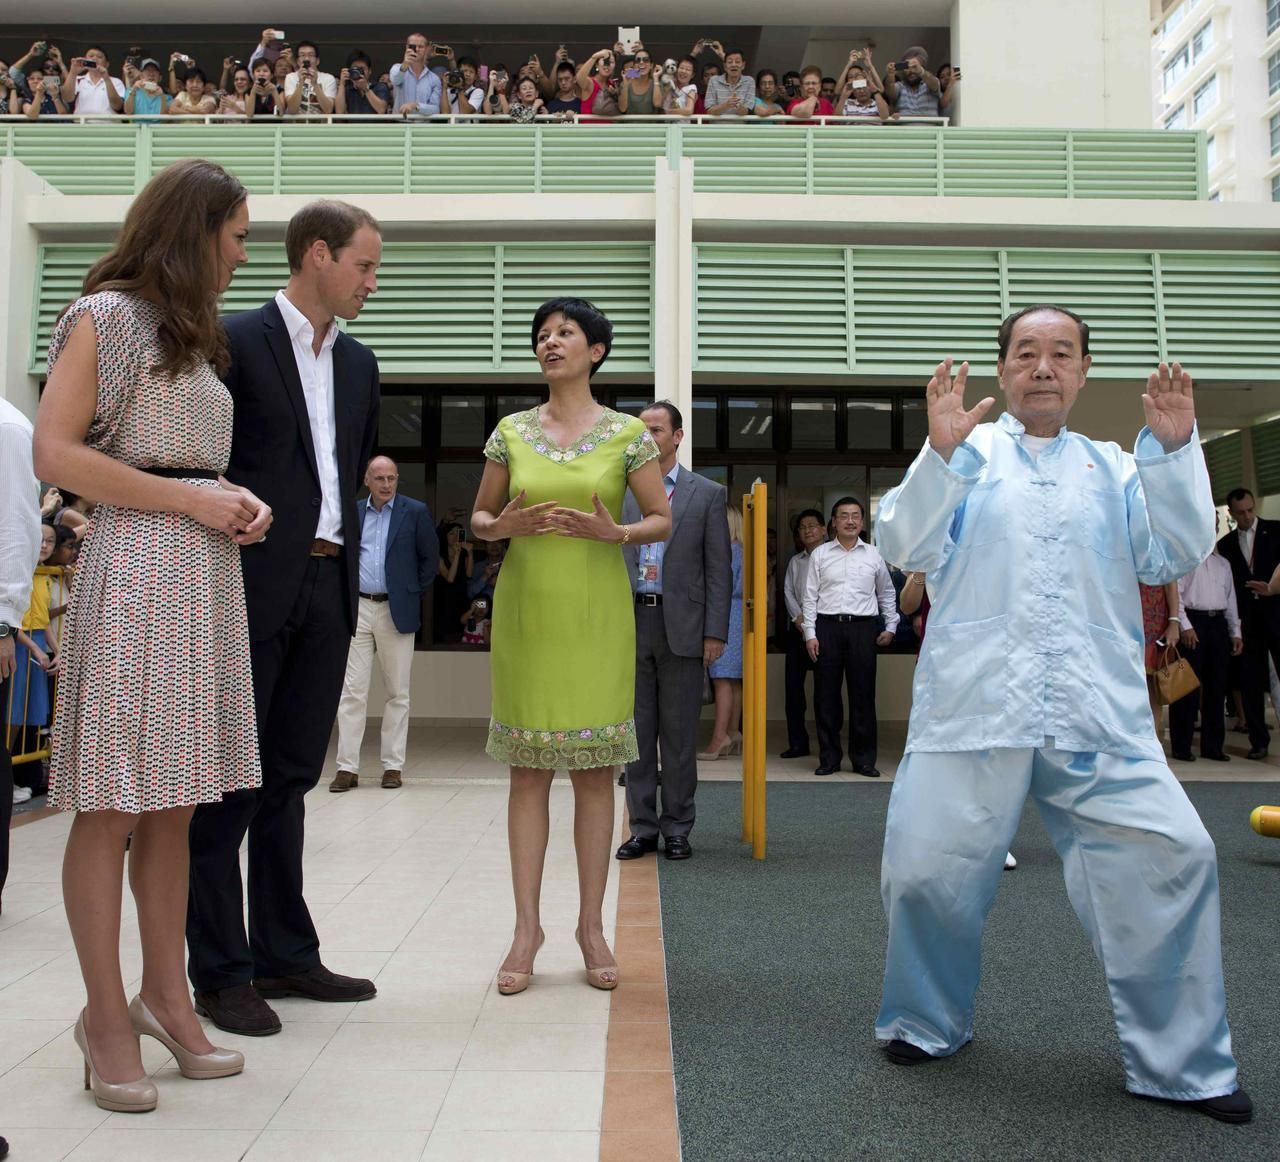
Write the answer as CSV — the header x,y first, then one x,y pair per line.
x,y
697,564
413,552
1266,556
273,456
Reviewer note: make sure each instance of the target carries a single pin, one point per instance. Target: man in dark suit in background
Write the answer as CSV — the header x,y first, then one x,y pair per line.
x,y
306,421
682,588
1253,550
399,552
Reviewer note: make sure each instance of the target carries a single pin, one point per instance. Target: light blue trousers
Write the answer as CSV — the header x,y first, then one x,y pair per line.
x,y
1141,873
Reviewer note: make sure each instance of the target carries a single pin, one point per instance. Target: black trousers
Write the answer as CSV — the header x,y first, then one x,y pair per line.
x,y
1260,643
798,664
6,787
297,681
1210,658
846,655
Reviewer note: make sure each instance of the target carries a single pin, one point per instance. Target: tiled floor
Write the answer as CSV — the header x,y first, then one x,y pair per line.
x,y
410,887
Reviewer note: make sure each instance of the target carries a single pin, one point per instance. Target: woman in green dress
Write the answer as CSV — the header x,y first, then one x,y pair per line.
x,y
563,633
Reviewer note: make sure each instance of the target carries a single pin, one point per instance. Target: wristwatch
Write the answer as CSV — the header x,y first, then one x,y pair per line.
x,y
5,630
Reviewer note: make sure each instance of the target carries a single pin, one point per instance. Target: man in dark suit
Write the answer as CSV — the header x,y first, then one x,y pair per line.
x,y
399,552
1253,550
682,588
306,421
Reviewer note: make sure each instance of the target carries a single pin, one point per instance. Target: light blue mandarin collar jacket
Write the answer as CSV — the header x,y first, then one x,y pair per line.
x,y
1035,622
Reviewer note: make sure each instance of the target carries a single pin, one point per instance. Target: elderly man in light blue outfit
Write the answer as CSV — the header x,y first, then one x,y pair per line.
x,y
1031,681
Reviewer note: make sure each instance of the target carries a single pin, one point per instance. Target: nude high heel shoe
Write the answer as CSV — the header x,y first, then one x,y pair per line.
x,y
197,1066
510,983
599,978
128,1097
718,752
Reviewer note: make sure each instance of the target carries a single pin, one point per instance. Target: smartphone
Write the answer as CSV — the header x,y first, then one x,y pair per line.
x,y
483,72
856,85
277,34
631,74
628,37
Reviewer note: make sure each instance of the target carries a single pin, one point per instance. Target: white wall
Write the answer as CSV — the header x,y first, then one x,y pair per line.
x,y
19,246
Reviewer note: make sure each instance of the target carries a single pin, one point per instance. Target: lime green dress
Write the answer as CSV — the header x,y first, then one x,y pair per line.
x,y
563,640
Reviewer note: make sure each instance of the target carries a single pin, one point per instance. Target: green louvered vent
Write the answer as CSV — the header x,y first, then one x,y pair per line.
x,y
742,159
1266,457
1225,459
869,163
1222,311
78,159
1005,164
592,159
912,307
319,159
1114,292
500,159
793,332
435,306
618,279
251,156
1134,164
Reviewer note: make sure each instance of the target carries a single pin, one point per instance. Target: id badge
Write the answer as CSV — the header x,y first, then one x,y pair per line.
x,y
648,573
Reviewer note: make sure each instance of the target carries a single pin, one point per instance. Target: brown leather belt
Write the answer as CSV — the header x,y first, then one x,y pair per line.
x,y
323,548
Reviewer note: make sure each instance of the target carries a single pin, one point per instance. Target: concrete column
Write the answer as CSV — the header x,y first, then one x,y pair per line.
x,y
19,255
673,304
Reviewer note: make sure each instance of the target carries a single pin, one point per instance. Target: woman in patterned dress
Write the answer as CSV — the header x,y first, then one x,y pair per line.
x,y
155,710
563,635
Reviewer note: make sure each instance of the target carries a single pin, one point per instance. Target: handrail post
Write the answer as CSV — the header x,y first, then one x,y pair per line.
x,y
1071,164
141,155
760,637
748,670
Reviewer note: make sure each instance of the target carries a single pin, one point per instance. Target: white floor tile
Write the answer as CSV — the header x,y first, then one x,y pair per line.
x,y
109,1144
246,1101
336,1146
47,1099
384,1099
401,1045
535,1047
499,1100
20,1039
508,1146
43,1145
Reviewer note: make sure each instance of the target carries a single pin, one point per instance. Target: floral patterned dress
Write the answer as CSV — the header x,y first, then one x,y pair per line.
x,y
563,644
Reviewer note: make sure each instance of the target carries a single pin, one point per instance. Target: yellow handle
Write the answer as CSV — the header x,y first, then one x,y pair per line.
x,y
1266,821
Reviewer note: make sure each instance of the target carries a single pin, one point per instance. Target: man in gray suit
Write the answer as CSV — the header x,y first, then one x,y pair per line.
x,y
682,588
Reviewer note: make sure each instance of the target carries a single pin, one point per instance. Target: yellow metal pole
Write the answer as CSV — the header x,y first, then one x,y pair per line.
x,y
759,618
748,671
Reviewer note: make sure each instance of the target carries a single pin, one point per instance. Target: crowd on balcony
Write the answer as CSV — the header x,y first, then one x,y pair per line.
x,y
280,79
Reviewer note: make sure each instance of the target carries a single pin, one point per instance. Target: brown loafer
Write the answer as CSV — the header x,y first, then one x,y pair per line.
x,y
239,1009
344,781
317,984
391,778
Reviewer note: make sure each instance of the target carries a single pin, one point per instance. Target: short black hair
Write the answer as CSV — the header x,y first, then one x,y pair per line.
x,y
1237,494
565,66
1005,333
469,60
735,52
813,512
196,71
593,321
96,48
311,44
828,80
839,504
766,73
358,54
788,75
673,413
61,535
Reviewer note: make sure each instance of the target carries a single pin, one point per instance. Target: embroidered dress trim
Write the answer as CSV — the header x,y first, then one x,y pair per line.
x,y
581,749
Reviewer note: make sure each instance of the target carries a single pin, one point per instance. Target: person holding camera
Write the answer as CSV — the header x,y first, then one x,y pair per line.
x,y
461,94
267,99
236,101
948,79
357,92
90,87
910,87
192,101
640,93
46,95
33,58
416,88
309,91
598,85
270,48
859,98
147,99
564,98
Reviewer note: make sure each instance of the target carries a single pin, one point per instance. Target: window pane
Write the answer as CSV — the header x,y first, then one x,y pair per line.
x,y
400,421
1275,188
751,421
813,423
1178,118
820,486
1273,16
1206,97
1273,73
455,491
508,404
1175,69
633,405
462,421
870,423
1275,133
1202,42
413,480
915,424
882,479
717,472
704,421
1210,154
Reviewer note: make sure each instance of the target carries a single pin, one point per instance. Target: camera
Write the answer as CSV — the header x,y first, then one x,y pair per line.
x,y
357,72
856,85
902,66
441,49
51,84
453,79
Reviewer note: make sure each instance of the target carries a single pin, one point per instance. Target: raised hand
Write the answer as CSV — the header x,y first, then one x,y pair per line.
x,y
597,525
1170,408
517,521
949,423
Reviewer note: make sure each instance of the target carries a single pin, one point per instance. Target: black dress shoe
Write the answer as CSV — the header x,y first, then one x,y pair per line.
x,y
637,846
869,772
1232,1107
1217,758
826,770
795,753
1184,756
1257,754
622,779
677,847
238,1009
904,1053
317,984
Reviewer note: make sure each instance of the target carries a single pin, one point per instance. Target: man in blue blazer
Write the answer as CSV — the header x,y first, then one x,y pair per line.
x,y
399,552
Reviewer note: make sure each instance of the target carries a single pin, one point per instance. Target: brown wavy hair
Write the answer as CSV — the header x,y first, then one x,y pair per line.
x,y
164,253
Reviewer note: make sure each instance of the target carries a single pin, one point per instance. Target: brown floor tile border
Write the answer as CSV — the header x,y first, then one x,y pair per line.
x,y
639,1116
32,816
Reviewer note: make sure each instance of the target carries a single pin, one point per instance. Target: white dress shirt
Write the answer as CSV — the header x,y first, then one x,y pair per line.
x,y
19,514
854,580
1209,587
91,96
793,584
1245,537
316,373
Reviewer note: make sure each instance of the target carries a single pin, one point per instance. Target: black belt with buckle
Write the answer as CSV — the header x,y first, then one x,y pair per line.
x,y
1208,612
847,617
648,598
183,473
376,596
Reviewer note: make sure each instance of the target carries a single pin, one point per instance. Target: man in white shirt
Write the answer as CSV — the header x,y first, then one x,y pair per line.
x,y
1210,639
19,552
811,531
90,85
309,91
847,590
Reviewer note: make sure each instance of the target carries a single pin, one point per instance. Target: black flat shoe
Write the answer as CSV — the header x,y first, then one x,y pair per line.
x,y
677,847
317,984
904,1053
1236,1108
1257,754
635,847
826,771
794,753
1184,756
238,1009
869,772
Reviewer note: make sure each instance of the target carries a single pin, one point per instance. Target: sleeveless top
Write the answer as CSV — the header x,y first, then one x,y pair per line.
x,y
639,104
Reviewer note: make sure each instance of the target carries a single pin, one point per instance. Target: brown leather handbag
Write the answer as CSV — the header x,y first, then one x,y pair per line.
x,y
1174,677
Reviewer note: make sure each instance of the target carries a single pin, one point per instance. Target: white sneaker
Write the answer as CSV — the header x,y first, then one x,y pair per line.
x,y
21,794
1009,862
